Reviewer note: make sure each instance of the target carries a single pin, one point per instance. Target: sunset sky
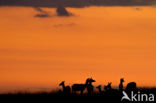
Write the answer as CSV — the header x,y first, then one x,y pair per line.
x,y
105,43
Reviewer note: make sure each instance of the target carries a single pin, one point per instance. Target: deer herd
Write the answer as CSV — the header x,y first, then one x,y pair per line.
x,y
88,85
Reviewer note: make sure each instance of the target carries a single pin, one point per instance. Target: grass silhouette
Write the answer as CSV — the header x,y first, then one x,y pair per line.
x,y
113,95
87,93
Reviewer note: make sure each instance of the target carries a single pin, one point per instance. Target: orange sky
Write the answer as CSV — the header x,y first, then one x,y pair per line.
x,y
105,43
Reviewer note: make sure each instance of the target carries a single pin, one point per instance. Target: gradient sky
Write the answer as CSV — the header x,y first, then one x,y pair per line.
x,y
105,43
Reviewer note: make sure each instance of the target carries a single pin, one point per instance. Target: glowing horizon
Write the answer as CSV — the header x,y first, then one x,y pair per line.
x,y
106,43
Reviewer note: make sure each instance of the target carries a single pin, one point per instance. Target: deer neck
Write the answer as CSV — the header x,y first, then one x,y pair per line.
x,y
63,85
121,83
86,83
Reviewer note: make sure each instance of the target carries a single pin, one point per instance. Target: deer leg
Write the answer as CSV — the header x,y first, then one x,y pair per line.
x,y
73,91
81,92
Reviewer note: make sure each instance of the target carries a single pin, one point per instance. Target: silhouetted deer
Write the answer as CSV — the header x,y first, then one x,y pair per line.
x,y
121,84
131,86
89,86
99,88
111,91
108,87
66,89
81,87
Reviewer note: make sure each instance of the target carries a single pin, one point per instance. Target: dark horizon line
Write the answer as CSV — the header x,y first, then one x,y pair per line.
x,y
56,89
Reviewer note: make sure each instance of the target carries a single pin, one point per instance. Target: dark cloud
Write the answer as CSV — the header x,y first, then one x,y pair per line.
x,y
153,3
75,3
61,11
42,13
39,10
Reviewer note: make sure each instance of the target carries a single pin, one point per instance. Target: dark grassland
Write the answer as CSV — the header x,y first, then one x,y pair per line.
x,y
113,96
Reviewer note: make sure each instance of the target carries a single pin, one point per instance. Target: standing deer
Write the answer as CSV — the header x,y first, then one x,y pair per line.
x,y
121,84
111,91
90,87
66,89
99,88
82,87
108,87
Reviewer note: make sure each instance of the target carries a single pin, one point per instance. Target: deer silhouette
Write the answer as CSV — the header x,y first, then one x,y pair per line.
x,y
99,88
131,86
82,87
111,91
121,84
108,86
89,86
66,89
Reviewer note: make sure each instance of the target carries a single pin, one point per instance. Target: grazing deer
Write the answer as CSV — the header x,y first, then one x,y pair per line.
x,y
99,88
131,86
66,89
82,87
108,87
121,84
